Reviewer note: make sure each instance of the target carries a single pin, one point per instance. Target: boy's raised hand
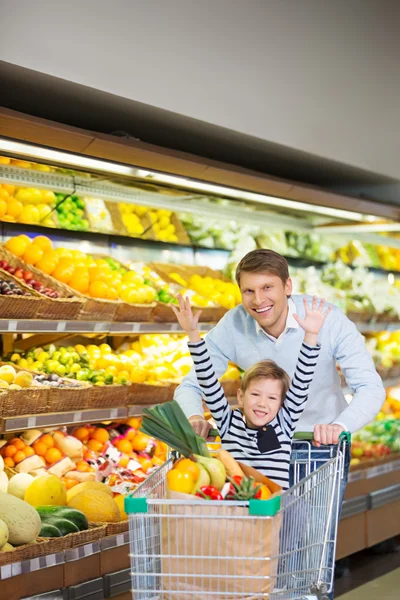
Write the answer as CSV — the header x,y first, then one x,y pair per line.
x,y
314,317
184,315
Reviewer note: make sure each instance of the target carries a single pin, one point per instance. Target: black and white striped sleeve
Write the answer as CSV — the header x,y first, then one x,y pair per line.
x,y
297,394
212,389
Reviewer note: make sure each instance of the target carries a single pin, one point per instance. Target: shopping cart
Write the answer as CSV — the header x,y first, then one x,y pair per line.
x,y
281,549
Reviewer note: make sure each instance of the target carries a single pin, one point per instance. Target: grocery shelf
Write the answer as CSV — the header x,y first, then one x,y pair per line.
x,y
41,326
31,565
372,327
95,415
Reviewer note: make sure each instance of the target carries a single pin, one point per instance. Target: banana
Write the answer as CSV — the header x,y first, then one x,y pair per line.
x,y
204,479
215,469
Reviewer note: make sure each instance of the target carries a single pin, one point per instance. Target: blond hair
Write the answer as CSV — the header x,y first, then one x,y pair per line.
x,y
263,261
266,369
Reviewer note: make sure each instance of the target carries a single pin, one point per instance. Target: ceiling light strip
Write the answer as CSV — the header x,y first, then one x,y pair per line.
x,y
57,156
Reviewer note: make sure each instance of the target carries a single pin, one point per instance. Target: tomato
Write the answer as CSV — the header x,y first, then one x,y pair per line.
x,y
209,492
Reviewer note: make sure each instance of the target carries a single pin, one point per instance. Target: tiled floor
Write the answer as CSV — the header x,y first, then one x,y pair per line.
x,y
386,587
373,574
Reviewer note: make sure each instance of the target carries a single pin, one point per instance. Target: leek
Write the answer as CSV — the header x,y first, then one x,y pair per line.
x,y
168,423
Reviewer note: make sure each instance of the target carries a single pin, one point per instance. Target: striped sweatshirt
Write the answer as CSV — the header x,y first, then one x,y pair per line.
x,y
268,448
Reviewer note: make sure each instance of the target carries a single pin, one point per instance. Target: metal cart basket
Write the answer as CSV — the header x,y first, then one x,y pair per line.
x,y
282,548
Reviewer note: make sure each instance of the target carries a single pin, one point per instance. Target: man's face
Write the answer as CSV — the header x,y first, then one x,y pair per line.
x,y
264,297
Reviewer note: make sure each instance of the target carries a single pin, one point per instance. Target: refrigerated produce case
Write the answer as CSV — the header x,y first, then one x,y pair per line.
x,y
144,221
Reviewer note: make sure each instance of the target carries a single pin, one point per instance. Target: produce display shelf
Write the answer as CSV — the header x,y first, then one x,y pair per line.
x,y
120,328
31,565
41,326
95,415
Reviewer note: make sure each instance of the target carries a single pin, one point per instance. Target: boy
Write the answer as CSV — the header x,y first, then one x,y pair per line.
x,y
259,435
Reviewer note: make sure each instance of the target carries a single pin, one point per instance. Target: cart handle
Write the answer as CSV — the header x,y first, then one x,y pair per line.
x,y
299,435
309,435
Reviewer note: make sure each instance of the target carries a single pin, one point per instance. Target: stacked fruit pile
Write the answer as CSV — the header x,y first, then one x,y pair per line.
x,y
96,277
12,380
9,288
151,359
378,439
32,253
118,455
71,212
26,205
222,293
385,348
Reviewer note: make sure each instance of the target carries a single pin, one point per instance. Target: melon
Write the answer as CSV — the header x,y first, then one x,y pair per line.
x,y
89,485
97,506
18,485
3,482
3,534
46,490
120,500
22,520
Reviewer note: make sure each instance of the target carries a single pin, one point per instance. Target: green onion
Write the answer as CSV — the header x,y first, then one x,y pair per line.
x,y
168,423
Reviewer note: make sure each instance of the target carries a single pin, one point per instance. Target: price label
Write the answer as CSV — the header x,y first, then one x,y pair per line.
x,y
31,422
61,325
12,325
356,476
379,470
6,572
77,417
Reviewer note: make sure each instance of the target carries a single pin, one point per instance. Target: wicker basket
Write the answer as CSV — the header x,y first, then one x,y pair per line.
x,y
117,528
19,307
98,310
108,396
134,312
69,398
116,218
142,393
29,401
67,307
63,309
25,552
95,532
180,231
90,309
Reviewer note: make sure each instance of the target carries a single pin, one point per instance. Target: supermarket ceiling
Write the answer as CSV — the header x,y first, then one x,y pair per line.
x,y
73,104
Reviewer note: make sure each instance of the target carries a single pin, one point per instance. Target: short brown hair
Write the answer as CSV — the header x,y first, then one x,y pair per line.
x,y
266,369
263,261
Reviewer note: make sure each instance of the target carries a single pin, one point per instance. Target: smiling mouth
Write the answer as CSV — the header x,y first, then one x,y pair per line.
x,y
260,413
264,310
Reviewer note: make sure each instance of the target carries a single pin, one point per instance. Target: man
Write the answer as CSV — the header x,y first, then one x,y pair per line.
x,y
263,327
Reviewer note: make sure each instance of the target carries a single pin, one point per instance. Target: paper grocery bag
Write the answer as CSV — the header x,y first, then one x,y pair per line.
x,y
208,548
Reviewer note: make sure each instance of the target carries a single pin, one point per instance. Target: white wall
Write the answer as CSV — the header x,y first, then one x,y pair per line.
x,y
317,75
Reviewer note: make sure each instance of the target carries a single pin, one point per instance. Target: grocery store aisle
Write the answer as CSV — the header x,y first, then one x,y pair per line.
x,y
371,574
384,588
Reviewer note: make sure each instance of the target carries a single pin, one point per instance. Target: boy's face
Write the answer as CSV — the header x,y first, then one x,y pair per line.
x,y
261,401
264,297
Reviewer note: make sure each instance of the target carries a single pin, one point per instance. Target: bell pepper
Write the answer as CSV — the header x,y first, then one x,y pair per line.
x,y
209,492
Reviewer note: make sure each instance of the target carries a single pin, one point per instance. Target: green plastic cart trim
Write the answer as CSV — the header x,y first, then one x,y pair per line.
x,y
265,508
135,505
